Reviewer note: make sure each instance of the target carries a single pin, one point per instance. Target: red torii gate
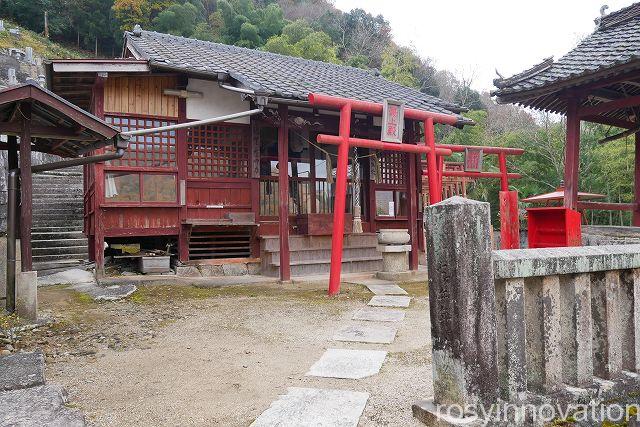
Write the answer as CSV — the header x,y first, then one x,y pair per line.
x,y
434,153
509,220
344,142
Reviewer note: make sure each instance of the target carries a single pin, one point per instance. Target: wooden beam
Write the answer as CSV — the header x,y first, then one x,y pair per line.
x,y
26,202
48,132
632,101
603,120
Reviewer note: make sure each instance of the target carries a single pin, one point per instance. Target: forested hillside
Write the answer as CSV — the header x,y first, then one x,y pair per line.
x,y
315,29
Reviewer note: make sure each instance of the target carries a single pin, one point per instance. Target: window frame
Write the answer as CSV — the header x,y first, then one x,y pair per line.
x,y
140,171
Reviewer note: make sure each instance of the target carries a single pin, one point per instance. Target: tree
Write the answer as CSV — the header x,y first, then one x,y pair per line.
x,y
297,30
249,36
178,19
281,45
398,65
132,12
317,46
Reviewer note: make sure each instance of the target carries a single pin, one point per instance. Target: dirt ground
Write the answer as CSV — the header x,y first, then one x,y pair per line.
x,y
181,355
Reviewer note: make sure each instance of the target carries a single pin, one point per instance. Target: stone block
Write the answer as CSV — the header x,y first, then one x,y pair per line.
x,y
239,269
607,329
462,302
27,295
577,334
395,261
187,271
254,268
348,364
377,334
378,314
211,270
552,339
43,405
514,342
390,289
3,266
314,407
21,370
434,415
389,301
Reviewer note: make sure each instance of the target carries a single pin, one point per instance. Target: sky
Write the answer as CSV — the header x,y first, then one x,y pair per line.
x,y
474,38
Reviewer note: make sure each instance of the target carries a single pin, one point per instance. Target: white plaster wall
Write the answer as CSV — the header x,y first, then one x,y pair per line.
x,y
214,102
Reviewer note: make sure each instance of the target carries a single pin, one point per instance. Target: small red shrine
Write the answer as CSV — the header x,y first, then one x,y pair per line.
x,y
599,82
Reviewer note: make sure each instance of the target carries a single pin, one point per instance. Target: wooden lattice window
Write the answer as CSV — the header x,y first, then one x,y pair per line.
x,y
153,150
393,169
218,151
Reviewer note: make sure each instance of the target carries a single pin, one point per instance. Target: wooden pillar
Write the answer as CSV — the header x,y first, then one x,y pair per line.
x,y
255,183
572,155
26,201
98,197
435,189
181,155
12,163
636,188
412,190
283,186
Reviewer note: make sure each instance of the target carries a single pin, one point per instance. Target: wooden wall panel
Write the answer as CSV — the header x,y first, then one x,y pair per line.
x,y
138,219
221,197
141,95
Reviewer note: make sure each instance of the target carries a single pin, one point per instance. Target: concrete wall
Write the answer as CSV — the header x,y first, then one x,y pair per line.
x,y
215,101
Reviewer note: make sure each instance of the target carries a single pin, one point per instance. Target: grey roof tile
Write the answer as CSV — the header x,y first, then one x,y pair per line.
x,y
615,42
275,74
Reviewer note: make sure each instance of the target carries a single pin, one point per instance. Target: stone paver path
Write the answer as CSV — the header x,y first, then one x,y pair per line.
x,y
302,407
389,301
351,364
321,407
375,334
387,289
378,314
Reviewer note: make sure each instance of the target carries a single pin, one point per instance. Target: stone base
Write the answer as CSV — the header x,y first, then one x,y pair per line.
x,y
27,295
395,260
427,412
218,270
400,276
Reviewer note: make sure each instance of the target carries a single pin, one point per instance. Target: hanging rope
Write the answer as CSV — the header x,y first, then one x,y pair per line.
x,y
329,166
355,177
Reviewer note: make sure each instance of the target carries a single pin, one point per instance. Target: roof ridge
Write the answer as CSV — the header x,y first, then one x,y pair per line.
x,y
530,72
246,49
618,17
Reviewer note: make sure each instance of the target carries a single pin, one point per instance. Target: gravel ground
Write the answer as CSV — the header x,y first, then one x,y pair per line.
x,y
187,356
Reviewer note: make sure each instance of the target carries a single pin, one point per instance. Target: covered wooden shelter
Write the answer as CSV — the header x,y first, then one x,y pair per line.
x,y
51,125
599,82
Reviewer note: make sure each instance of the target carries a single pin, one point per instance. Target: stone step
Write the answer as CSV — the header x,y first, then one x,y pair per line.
x,y
348,266
272,243
56,229
71,251
45,216
59,257
50,267
58,235
322,255
59,243
69,223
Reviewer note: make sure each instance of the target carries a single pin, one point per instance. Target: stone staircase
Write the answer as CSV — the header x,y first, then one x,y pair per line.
x,y
311,255
57,238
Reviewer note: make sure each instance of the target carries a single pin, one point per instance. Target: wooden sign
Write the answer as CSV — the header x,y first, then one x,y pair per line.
x,y
473,159
392,121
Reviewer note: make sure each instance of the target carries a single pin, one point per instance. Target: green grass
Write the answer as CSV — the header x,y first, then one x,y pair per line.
x,y
41,46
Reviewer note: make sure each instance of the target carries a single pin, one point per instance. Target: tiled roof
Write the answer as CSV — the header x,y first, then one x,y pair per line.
x,y
616,42
273,74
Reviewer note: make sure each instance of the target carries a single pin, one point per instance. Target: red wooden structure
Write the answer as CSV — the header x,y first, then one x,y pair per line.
x,y
598,82
46,123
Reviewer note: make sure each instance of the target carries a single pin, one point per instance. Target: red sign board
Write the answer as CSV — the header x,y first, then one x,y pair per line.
x,y
473,159
392,121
